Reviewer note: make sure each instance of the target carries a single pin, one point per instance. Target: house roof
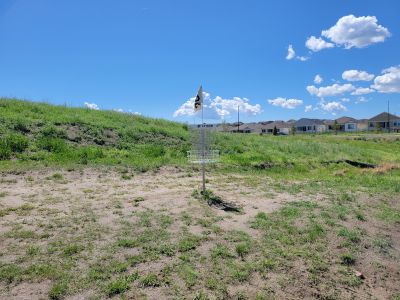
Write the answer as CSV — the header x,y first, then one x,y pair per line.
x,y
309,122
344,120
383,117
329,122
277,124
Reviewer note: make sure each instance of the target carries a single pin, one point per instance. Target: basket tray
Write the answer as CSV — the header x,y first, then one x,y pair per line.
x,y
200,157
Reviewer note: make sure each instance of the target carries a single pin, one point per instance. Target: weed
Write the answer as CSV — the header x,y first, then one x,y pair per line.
x,y
188,274
150,280
119,285
188,242
220,251
58,290
72,249
348,259
127,243
33,250
242,249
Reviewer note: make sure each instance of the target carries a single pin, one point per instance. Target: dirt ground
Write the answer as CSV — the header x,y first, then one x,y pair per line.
x,y
95,208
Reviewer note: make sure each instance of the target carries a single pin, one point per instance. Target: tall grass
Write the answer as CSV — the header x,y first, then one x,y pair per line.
x,y
42,134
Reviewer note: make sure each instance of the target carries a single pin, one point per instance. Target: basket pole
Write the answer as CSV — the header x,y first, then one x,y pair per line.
x,y
203,167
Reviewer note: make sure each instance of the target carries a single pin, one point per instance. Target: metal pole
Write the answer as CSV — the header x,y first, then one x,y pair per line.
x,y
203,168
388,118
238,120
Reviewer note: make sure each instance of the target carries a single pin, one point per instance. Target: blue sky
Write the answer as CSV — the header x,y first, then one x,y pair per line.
x,y
150,56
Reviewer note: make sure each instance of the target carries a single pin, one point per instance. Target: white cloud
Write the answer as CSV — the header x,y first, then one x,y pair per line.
x,y
285,103
362,91
333,106
356,75
389,82
118,110
318,79
361,100
308,108
291,53
345,100
302,58
317,44
218,107
224,107
93,106
331,90
350,31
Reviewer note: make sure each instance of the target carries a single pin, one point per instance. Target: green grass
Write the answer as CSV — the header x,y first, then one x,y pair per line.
x,y
38,134
42,134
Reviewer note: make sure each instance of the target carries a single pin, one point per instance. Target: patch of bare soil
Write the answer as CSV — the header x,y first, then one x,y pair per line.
x,y
50,210
57,205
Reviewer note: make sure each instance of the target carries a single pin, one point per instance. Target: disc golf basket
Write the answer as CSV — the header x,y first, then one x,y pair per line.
x,y
201,152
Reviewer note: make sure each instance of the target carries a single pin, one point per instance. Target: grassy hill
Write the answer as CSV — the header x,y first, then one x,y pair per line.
x,y
39,134
43,134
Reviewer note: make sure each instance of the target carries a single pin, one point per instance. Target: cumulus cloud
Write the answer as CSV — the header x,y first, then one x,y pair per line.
x,y
308,108
350,31
218,107
331,90
93,106
285,103
389,81
317,44
356,75
318,79
291,53
333,106
362,91
345,100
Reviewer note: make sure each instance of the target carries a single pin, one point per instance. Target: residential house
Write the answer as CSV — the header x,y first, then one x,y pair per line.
x,y
362,124
385,122
281,127
310,126
346,124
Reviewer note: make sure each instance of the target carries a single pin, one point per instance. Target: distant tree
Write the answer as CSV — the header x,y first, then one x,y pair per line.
x,y
379,126
335,126
275,131
293,130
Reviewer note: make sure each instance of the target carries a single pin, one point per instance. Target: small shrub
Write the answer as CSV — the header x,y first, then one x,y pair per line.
x,y
55,145
126,176
138,199
12,143
242,249
348,259
57,176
